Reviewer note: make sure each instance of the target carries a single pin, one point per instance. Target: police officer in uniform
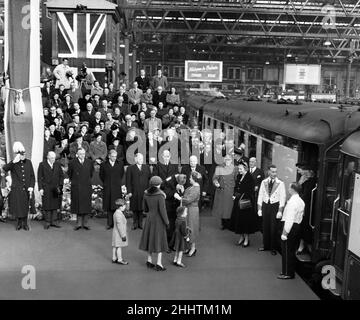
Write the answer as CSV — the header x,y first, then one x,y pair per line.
x,y
291,219
22,186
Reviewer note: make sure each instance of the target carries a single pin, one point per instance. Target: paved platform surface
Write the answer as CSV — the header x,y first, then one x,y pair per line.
x,y
77,265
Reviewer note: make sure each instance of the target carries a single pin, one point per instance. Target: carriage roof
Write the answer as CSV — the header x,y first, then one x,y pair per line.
x,y
319,123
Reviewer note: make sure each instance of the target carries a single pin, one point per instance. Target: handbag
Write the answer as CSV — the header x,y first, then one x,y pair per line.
x,y
244,203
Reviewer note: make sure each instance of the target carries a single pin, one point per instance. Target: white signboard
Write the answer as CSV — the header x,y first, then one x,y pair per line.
x,y
302,74
203,71
354,234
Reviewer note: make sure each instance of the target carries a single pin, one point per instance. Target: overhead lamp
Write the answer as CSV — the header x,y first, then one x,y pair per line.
x,y
122,45
137,61
327,42
130,54
267,62
289,55
151,50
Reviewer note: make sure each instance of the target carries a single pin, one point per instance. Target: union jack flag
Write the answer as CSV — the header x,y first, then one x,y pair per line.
x,y
69,28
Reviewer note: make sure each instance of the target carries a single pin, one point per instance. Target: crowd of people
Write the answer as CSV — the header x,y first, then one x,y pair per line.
x,y
92,134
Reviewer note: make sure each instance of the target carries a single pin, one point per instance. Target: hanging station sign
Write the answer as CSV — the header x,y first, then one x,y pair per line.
x,y
203,71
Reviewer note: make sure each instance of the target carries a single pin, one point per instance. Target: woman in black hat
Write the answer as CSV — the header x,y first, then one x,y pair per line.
x,y
154,238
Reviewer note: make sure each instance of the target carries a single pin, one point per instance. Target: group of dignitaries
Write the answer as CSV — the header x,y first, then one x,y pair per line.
x,y
240,188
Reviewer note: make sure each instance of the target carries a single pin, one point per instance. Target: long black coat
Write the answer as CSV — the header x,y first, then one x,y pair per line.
x,y
136,183
81,189
112,178
244,221
49,180
22,177
258,176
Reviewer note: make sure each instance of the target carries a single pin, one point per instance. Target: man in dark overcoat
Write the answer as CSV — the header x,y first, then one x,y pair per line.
x,y
50,184
137,181
112,176
167,171
22,185
194,166
80,173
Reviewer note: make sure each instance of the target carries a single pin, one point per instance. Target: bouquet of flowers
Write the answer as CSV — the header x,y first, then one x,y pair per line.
x,y
126,196
65,211
97,202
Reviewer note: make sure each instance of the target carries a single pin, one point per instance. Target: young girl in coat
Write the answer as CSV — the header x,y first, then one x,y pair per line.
x,y
180,237
119,236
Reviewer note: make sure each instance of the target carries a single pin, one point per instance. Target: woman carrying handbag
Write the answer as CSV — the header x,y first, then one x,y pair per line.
x,y
243,218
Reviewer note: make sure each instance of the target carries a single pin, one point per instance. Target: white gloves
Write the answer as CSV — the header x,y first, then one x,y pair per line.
x,y
30,189
41,192
259,213
177,196
283,237
123,189
278,215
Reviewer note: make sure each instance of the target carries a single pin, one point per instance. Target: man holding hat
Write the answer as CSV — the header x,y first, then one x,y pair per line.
x,y
137,181
80,173
50,183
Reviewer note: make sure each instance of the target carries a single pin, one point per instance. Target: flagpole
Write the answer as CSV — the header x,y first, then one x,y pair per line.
x,y
6,82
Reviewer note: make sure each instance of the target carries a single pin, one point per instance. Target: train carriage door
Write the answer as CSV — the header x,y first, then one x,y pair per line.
x,y
340,229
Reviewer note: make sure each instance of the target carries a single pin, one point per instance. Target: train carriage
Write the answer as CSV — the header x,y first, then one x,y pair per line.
x,y
285,134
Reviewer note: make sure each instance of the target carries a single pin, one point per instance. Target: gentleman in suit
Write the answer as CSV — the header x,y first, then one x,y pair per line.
x,y
152,123
80,173
256,173
194,166
122,94
134,98
49,143
89,114
167,171
137,181
159,80
271,202
84,101
50,184
74,92
159,96
143,81
112,176
47,92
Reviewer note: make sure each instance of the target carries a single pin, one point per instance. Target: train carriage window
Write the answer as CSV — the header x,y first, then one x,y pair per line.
x,y
215,124
222,126
266,155
208,122
351,166
252,146
240,137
